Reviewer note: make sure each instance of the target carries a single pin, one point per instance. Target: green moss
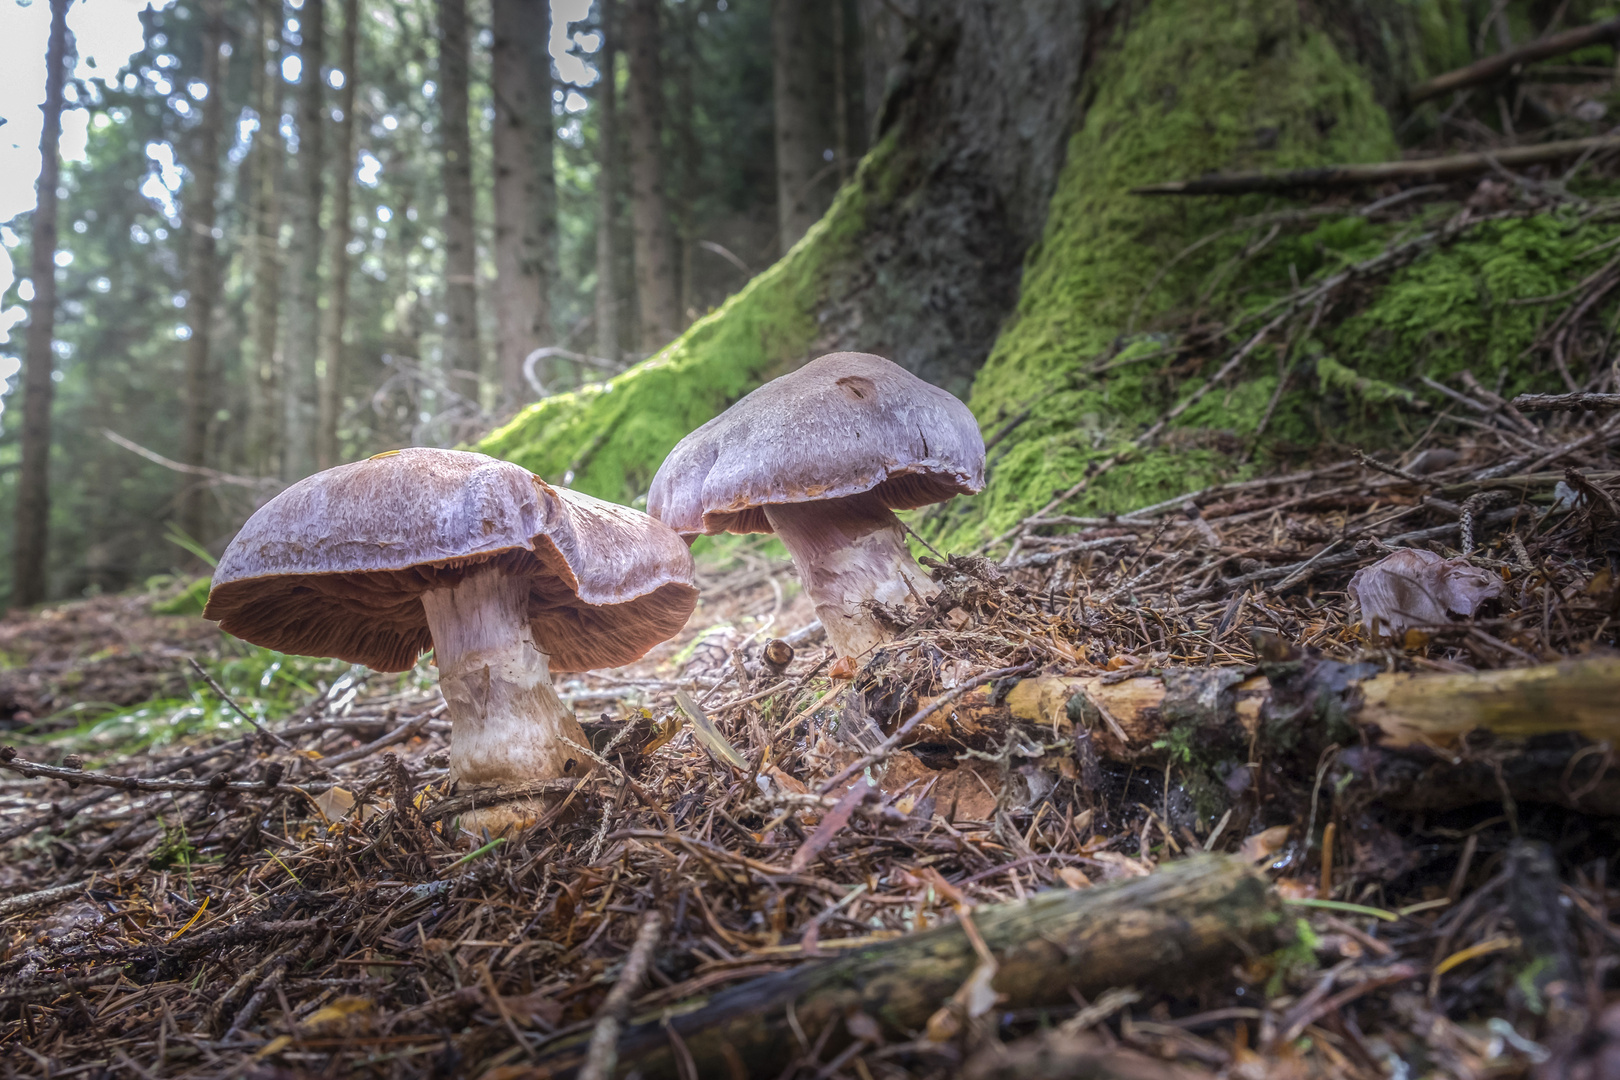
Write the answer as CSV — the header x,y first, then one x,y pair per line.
x,y
1186,88
612,436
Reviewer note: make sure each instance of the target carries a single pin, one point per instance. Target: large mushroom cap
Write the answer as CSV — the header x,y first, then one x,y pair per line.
x,y
842,425
336,564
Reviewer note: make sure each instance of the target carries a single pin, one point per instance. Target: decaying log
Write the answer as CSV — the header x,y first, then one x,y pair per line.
x,y
1378,172
1192,918
1428,741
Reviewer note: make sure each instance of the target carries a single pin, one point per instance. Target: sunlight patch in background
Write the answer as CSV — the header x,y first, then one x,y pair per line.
x,y
106,33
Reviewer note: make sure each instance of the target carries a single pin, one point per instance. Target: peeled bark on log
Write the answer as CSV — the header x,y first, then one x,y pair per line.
x,y
1195,916
1424,741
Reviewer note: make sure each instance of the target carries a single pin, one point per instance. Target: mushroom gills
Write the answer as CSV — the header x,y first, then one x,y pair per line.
x,y
850,551
507,724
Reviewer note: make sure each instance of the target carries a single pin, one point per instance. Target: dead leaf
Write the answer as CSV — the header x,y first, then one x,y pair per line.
x,y
1122,660
845,668
274,1046
1263,845
334,803
1117,866
1414,587
342,1012
973,999
718,746
1074,877
862,1026
534,1010
1296,888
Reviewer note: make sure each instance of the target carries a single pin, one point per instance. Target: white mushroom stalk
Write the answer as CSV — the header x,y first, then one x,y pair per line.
x,y
849,553
506,578
507,724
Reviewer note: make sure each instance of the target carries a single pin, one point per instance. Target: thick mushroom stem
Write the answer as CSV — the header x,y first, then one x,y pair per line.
x,y
507,725
849,551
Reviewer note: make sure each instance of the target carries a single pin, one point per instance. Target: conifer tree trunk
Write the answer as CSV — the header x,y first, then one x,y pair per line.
x,y
200,214
33,486
608,319
655,260
795,90
330,370
304,305
263,418
460,253
525,188
683,126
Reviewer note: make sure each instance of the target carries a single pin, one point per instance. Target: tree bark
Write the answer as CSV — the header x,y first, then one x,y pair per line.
x,y
330,370
655,260
1192,917
461,359
263,421
201,213
525,189
304,303
799,165
883,40
608,312
34,479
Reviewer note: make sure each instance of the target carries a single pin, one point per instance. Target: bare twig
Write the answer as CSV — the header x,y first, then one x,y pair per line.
x,y
603,1057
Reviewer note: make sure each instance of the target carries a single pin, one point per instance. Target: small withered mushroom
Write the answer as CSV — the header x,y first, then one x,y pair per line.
x,y
505,577
823,457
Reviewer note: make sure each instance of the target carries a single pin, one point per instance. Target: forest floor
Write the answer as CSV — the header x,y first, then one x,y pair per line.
x,y
818,871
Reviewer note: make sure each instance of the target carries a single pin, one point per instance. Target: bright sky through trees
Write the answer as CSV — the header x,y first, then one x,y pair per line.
x,y
106,33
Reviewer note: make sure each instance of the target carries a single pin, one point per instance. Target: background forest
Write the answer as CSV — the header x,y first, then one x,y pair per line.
x,y
460,208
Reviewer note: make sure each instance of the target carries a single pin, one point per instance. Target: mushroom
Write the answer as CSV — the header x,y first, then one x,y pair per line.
x,y
505,577
823,457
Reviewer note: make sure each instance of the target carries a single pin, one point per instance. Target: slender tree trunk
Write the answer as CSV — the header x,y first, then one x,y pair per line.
x,y
460,254
304,305
684,129
33,487
201,213
798,151
607,189
655,259
840,92
263,425
329,371
525,188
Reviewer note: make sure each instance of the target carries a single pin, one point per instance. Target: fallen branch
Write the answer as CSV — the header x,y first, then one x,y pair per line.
x,y
11,905
1339,176
1195,916
1422,739
12,763
602,1058
1504,63
1567,402
213,476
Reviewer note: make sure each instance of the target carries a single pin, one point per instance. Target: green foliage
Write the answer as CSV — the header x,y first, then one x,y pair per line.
x,y
188,601
269,686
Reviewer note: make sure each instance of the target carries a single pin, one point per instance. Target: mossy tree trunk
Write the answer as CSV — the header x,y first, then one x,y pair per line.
x,y
988,241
